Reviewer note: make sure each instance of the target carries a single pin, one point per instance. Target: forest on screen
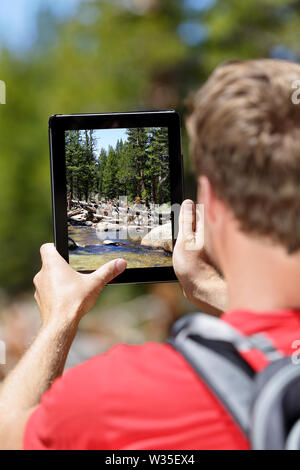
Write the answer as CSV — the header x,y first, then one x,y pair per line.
x,y
136,167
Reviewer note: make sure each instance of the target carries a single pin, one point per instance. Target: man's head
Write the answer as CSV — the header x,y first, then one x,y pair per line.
x,y
245,141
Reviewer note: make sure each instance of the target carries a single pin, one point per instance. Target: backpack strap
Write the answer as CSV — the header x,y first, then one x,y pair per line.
x,y
213,328
275,417
213,347
263,344
232,386
293,440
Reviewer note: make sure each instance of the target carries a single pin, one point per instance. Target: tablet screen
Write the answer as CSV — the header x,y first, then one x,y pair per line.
x,y
118,197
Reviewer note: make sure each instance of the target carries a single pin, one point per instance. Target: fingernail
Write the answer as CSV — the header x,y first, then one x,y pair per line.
x,y
121,264
188,202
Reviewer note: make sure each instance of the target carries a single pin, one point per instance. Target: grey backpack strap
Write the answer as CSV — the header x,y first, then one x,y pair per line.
x,y
266,406
261,342
210,327
275,421
230,384
293,440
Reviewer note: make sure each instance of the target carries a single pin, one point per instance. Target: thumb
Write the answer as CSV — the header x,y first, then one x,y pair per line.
x,y
50,256
108,272
187,219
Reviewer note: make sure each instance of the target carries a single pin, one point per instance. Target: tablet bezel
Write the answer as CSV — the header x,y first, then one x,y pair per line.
x,y
58,124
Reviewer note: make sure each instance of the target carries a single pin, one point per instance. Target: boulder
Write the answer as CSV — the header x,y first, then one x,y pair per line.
x,y
109,242
82,217
159,237
74,212
97,218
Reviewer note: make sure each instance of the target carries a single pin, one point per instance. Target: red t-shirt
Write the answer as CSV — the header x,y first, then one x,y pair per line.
x,y
146,397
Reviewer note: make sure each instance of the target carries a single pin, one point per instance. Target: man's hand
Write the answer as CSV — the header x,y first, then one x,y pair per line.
x,y
63,294
199,280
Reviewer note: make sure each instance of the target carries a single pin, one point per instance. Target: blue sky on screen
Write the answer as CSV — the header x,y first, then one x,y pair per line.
x,y
107,137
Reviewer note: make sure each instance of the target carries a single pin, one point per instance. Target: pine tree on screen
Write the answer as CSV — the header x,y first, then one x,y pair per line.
x,y
138,167
73,156
138,141
101,166
110,182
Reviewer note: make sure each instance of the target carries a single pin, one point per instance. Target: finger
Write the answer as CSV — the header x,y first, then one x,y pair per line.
x,y
199,229
37,297
35,280
108,272
49,254
47,251
187,219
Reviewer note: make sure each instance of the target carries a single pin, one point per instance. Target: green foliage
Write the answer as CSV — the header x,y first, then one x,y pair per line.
x,y
110,182
110,57
157,172
138,167
101,163
80,162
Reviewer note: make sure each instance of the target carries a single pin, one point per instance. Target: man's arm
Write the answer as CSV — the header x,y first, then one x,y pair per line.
x,y
64,297
200,282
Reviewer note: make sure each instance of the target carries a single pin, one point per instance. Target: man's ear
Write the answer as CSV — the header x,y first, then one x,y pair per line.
x,y
215,210
207,197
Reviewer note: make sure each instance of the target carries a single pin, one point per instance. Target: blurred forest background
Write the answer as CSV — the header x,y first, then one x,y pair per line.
x,y
77,56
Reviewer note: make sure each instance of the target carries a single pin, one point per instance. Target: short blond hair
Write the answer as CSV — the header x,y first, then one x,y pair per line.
x,y
245,137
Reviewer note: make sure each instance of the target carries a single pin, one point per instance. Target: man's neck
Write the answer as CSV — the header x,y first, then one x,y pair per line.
x,y
261,276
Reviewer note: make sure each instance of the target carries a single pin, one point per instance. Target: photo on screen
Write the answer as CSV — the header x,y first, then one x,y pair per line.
x,y
118,197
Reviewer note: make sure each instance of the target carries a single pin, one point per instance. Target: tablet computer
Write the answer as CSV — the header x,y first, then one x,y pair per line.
x,y
117,187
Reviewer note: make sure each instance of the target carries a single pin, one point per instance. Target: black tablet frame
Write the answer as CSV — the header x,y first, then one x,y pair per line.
x,y
58,124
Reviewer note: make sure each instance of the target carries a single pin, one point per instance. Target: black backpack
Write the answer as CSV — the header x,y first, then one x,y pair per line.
x,y
265,405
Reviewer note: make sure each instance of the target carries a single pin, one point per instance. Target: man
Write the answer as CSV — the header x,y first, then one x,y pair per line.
x,y
245,140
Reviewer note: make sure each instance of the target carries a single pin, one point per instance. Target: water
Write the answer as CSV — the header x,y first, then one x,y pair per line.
x,y
94,254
